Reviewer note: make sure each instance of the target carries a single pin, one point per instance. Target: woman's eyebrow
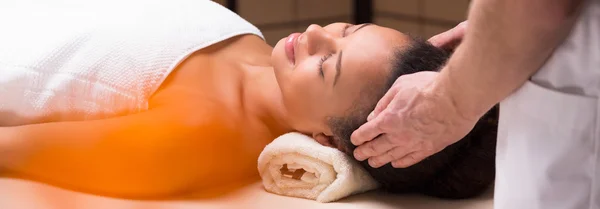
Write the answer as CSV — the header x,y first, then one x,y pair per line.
x,y
362,26
338,66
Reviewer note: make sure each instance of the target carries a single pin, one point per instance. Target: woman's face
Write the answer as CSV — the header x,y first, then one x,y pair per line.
x,y
322,71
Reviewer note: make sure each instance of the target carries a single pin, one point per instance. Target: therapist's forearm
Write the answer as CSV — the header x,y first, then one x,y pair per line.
x,y
507,41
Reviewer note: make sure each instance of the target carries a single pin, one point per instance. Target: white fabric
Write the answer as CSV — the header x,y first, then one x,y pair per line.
x,y
330,174
549,131
76,59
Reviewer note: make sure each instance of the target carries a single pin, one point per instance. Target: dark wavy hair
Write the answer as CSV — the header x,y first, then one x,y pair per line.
x,y
462,170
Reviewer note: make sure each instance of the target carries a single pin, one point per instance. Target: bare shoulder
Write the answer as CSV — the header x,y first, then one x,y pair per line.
x,y
204,88
210,72
210,79
241,44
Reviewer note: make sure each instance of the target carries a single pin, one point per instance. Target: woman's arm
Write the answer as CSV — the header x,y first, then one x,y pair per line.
x,y
154,153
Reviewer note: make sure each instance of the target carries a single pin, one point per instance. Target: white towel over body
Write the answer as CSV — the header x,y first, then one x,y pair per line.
x,y
296,165
95,59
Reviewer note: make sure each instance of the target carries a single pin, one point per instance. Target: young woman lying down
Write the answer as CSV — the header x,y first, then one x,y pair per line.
x,y
156,98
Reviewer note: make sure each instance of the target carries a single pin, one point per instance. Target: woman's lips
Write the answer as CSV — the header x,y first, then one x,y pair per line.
x,y
290,46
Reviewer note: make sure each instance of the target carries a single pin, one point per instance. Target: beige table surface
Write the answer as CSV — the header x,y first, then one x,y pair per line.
x,y
24,194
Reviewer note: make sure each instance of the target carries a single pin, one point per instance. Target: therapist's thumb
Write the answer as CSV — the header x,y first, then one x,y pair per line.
x,y
383,103
449,39
371,116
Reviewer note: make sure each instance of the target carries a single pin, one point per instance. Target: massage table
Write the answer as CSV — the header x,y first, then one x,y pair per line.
x,y
24,194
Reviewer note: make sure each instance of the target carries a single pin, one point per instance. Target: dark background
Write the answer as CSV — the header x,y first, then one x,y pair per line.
x,y
279,18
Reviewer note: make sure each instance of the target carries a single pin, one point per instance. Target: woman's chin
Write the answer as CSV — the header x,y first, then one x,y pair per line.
x,y
278,48
279,61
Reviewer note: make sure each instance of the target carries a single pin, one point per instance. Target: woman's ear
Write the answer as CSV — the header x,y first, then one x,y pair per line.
x,y
323,139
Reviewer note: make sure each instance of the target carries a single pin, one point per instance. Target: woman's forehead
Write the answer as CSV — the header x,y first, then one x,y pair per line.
x,y
366,62
367,54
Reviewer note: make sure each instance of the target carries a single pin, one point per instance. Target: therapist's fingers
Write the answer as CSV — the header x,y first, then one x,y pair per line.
x,y
450,38
389,156
375,147
410,159
383,103
368,131
371,116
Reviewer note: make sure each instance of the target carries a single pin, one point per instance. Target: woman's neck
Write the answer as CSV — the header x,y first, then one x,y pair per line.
x,y
261,98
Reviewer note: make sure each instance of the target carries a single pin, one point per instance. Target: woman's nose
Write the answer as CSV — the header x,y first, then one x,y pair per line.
x,y
318,40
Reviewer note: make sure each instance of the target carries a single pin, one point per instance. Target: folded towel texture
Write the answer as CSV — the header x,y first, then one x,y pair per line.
x,y
296,165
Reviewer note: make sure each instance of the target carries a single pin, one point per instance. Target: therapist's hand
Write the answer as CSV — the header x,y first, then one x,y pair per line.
x,y
450,39
415,119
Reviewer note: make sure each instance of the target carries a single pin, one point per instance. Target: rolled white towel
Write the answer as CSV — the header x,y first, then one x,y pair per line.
x,y
296,165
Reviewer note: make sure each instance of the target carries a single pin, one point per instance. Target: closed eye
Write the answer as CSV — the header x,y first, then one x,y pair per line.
x,y
345,30
323,59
